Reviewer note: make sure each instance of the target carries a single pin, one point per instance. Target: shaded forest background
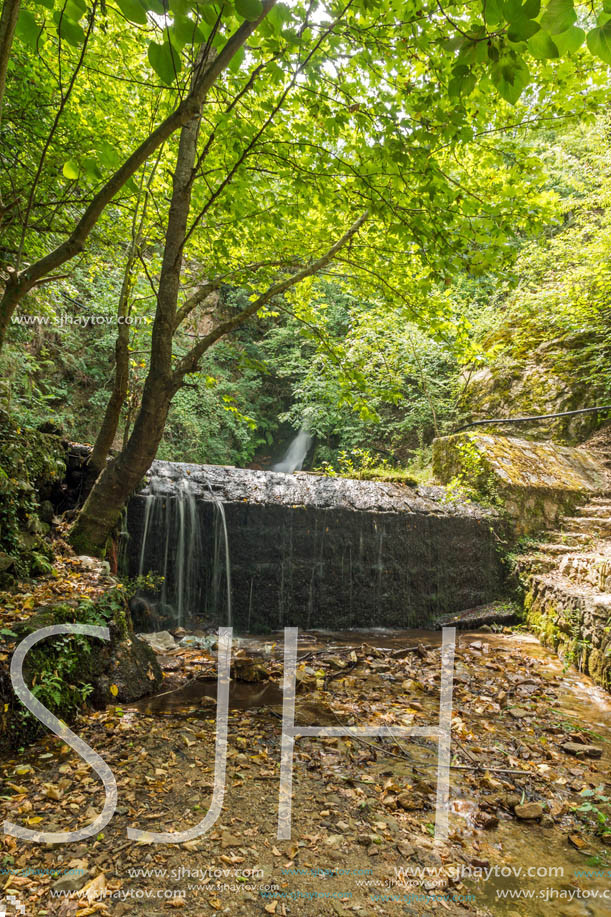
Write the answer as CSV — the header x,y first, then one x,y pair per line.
x,y
374,385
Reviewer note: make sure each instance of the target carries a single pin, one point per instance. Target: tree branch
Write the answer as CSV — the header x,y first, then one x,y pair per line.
x,y
8,21
20,283
189,362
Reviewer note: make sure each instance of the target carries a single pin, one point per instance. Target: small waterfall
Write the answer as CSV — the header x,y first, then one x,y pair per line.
x,y
220,525
172,524
294,456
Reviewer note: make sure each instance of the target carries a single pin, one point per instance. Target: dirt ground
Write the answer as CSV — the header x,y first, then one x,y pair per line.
x,y
530,745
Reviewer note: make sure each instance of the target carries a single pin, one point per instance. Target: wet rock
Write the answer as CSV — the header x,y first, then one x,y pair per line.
x,y
529,810
159,642
248,670
588,751
486,819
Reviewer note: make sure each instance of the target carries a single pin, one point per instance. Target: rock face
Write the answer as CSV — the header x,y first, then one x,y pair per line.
x,y
535,482
312,551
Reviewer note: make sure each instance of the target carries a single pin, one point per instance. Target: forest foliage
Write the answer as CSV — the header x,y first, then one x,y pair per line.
x,y
473,139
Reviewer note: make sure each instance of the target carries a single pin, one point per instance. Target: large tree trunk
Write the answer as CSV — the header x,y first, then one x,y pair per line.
x,y
100,513
103,506
8,21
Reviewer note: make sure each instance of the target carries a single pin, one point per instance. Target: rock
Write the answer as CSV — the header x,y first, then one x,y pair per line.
x,y
6,562
71,881
128,665
248,670
519,713
230,840
160,642
574,748
46,511
203,643
486,820
529,810
409,802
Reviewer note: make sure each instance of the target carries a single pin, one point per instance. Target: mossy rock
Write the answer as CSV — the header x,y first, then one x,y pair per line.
x,y
31,465
535,482
69,672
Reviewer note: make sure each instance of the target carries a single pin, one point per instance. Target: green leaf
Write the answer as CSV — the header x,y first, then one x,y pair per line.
x,y
133,10
510,78
570,40
70,31
27,28
531,9
542,47
522,29
599,43
249,9
278,16
559,16
71,170
165,61
237,60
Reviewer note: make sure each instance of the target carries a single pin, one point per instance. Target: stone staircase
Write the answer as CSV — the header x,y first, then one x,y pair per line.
x,y
567,578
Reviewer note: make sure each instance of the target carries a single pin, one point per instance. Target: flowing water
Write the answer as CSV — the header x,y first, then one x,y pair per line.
x,y
295,455
172,547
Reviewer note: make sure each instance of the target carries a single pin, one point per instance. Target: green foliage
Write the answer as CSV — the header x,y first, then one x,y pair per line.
x,y
591,812
475,481
29,461
59,671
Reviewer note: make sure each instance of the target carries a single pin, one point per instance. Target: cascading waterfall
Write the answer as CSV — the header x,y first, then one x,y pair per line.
x,y
295,455
176,519
221,524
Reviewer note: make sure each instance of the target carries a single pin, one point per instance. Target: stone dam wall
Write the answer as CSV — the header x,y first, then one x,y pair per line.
x,y
312,551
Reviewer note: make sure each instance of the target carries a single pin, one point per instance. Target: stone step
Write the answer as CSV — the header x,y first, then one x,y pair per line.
x,y
570,539
582,594
553,547
596,509
599,525
584,569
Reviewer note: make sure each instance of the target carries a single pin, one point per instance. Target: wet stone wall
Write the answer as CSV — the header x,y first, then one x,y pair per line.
x,y
309,551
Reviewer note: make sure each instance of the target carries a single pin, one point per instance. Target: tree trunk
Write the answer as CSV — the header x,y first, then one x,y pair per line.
x,y
110,423
101,510
109,494
8,21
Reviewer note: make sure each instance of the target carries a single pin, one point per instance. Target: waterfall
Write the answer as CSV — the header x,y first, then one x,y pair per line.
x,y
221,524
294,456
172,524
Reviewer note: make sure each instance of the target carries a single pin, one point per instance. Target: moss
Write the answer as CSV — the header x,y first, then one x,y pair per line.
x,y
535,482
31,463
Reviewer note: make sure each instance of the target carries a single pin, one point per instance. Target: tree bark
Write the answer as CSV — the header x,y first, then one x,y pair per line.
x,y
21,282
118,479
8,21
110,422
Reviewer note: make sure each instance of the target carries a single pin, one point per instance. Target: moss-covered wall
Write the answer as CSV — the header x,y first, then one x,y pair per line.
x,y
577,626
